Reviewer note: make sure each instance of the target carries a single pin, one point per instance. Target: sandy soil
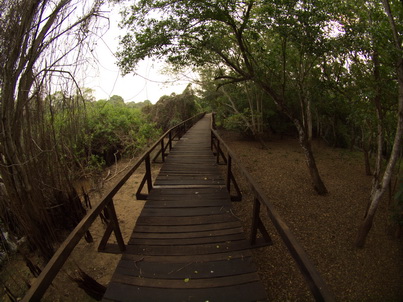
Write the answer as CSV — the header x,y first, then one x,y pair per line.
x,y
325,226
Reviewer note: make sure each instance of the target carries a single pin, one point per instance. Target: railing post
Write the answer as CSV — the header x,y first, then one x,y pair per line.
x,y
146,179
218,151
257,224
212,141
170,140
116,229
230,177
113,225
162,151
148,173
180,131
229,173
255,217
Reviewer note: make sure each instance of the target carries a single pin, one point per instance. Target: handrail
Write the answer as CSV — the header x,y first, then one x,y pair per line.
x,y
317,285
54,265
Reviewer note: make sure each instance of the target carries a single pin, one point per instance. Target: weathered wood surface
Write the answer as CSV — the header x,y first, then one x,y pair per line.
x,y
187,245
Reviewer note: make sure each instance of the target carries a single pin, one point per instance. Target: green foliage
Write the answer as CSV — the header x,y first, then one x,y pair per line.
x,y
96,134
95,163
116,100
241,107
171,110
114,128
139,105
235,122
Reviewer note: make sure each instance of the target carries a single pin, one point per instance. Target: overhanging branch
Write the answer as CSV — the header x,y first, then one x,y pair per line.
x,y
230,80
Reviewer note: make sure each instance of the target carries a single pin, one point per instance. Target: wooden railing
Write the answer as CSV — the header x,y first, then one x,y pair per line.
x,y
52,268
317,285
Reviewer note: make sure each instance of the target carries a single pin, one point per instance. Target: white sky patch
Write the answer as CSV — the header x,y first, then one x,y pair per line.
x,y
103,75
333,29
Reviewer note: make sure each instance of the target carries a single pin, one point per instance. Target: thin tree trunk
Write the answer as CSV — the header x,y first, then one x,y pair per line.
x,y
309,119
381,188
366,149
379,115
318,184
250,126
367,163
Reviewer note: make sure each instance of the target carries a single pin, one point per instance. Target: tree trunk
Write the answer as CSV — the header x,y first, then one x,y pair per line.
x,y
305,143
309,119
317,182
366,225
379,120
381,188
364,230
366,143
367,163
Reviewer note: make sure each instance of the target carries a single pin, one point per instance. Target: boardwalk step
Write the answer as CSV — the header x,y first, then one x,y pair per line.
x,y
240,293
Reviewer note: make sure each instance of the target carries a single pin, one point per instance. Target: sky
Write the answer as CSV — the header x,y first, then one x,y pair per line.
x,y
148,83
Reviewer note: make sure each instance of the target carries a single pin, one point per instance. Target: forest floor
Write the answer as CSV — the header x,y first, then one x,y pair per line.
x,y
325,226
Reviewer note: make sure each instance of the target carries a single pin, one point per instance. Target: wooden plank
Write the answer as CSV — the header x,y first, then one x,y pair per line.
x,y
183,284
190,159
202,155
148,220
200,249
186,202
204,176
240,293
187,228
182,153
186,241
182,172
190,181
187,258
185,211
192,270
167,194
179,234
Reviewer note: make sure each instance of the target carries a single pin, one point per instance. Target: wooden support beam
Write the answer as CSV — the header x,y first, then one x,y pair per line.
x,y
231,178
257,224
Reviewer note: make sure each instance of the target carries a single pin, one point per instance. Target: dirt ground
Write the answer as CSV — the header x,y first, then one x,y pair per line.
x,y
325,226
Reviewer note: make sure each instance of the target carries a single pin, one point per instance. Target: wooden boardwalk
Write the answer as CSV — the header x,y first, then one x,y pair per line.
x,y
187,245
